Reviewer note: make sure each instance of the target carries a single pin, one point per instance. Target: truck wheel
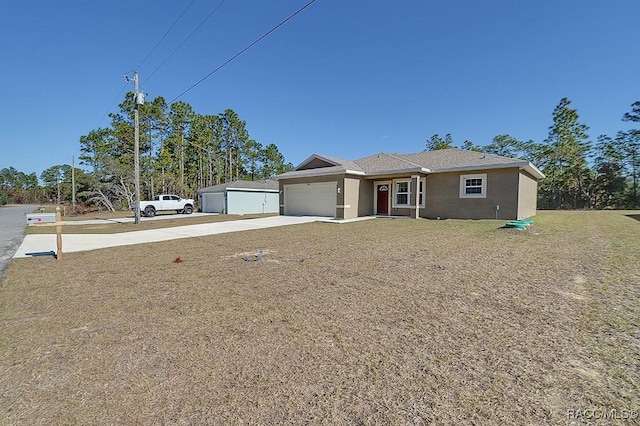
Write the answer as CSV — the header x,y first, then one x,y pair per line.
x,y
188,209
149,211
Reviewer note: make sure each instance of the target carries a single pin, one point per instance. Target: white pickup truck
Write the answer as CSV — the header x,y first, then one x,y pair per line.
x,y
166,202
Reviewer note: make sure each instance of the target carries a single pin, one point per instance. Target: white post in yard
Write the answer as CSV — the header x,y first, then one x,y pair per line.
x,y
58,234
415,194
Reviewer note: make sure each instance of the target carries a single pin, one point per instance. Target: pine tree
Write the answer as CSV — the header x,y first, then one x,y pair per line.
x,y
565,153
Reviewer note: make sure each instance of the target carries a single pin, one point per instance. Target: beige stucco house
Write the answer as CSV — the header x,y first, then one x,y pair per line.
x,y
449,183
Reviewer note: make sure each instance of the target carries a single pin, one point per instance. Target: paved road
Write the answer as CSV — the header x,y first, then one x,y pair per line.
x,y
12,224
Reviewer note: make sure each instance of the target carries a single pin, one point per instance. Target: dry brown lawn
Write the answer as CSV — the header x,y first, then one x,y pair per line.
x,y
376,322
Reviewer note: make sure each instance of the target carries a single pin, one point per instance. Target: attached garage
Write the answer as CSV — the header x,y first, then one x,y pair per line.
x,y
240,197
310,199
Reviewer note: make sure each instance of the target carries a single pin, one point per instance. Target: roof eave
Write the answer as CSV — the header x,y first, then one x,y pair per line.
x,y
518,165
355,172
212,189
253,189
318,172
378,173
533,171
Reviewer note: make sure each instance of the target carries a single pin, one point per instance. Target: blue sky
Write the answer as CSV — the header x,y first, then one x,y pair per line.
x,y
346,78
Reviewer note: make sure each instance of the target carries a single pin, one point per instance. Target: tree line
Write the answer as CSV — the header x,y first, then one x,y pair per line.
x,y
579,173
180,152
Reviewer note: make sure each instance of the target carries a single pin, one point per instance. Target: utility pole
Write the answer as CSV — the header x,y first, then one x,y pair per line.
x,y
73,182
138,100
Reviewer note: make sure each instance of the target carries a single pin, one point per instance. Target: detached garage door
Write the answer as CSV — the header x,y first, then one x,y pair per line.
x,y
310,199
213,202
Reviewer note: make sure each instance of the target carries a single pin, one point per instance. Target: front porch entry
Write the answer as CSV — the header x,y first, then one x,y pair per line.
x,y
382,198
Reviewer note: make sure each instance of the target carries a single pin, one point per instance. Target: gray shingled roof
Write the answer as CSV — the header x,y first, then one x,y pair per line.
x,y
445,159
335,160
242,184
380,162
430,161
346,164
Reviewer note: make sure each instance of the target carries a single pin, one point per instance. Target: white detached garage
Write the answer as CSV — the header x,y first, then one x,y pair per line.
x,y
240,197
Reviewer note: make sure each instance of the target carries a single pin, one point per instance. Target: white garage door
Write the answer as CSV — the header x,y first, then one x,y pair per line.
x,y
310,199
213,202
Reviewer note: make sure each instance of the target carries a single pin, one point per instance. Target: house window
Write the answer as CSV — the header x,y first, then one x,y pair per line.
x,y
473,186
402,193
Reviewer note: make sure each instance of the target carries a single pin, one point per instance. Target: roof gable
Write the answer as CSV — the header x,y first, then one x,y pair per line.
x,y
318,165
317,161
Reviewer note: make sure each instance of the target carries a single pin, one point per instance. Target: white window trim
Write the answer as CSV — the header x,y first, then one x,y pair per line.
x,y
423,181
463,180
394,194
395,205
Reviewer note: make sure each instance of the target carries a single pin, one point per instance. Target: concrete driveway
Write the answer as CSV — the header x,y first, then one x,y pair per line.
x,y
131,219
82,242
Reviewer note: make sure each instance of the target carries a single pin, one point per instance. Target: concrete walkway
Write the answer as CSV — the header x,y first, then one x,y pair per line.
x,y
131,219
83,242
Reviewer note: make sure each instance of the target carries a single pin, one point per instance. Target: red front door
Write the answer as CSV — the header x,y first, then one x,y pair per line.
x,y
382,207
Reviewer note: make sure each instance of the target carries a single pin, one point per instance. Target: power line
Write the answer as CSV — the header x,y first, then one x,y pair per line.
x,y
259,39
184,41
112,104
165,34
145,59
